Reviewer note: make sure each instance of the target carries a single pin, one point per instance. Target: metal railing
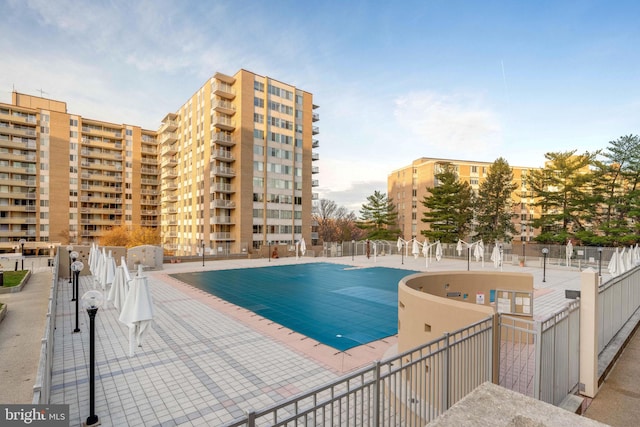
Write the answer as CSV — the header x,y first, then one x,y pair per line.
x,y
618,299
409,389
42,385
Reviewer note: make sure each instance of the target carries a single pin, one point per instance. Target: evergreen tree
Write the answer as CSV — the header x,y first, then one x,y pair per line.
x,y
616,187
449,208
564,192
494,206
379,217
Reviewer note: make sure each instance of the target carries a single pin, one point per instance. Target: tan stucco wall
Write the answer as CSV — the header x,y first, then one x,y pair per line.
x,y
425,312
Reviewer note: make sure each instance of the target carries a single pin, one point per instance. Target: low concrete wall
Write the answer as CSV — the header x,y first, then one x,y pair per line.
x,y
431,304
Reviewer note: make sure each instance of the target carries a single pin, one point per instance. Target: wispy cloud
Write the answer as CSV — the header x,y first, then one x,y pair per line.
x,y
448,123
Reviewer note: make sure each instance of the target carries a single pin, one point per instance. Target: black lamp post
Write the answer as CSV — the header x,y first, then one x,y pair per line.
x,y
92,300
523,255
402,252
468,257
353,244
269,250
22,242
69,249
545,251
203,253
74,286
600,263
76,267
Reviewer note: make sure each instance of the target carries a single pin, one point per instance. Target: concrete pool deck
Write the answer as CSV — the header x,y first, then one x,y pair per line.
x,y
207,362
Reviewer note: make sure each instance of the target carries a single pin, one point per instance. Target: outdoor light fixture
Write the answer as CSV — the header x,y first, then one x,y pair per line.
x,y
92,301
203,253
22,242
545,251
76,267
69,249
600,263
73,256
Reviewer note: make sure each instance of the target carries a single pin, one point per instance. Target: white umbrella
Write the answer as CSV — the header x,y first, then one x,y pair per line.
x,y
101,267
426,248
569,252
137,311
303,246
399,244
123,263
119,289
438,251
622,267
415,249
629,261
636,254
496,256
476,251
92,255
459,247
108,271
613,264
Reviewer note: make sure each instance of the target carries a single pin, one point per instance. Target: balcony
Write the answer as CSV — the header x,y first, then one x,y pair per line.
x,y
222,220
224,107
147,181
168,137
147,192
223,138
315,130
315,143
315,183
315,117
17,130
314,196
223,171
315,156
221,236
222,188
223,204
170,174
149,171
168,126
223,90
171,184
169,150
169,163
223,122
222,155
315,169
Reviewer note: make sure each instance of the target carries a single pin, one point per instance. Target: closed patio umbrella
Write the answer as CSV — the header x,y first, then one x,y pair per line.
x,y
438,251
613,264
415,249
303,246
137,311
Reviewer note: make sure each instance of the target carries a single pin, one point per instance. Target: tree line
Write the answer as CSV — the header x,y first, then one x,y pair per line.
x,y
592,198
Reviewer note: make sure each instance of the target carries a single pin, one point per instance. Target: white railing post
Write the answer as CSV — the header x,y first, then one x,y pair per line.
x,y
589,332
377,390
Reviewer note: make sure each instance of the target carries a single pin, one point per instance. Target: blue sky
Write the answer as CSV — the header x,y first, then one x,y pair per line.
x,y
395,81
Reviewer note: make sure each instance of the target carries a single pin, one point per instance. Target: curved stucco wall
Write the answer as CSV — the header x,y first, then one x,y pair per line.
x,y
425,312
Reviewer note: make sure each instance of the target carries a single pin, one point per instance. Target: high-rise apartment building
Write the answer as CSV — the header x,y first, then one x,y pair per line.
x,y
230,170
236,165
407,187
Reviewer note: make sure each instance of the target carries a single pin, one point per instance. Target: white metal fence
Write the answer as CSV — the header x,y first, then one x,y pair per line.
x,y
542,359
618,299
409,389
42,386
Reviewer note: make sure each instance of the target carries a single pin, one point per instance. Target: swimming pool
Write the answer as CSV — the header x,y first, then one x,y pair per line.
x,y
337,305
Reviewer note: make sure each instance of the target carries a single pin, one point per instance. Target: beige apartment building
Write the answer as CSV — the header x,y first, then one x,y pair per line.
x,y
407,186
236,165
230,170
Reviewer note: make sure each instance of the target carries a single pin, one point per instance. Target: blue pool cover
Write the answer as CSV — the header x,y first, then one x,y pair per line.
x,y
337,305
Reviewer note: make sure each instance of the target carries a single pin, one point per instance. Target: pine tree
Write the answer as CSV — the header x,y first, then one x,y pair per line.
x,y
449,207
379,217
494,206
564,192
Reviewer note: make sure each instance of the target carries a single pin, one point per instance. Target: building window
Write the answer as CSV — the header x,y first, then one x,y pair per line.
x,y
258,102
259,86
